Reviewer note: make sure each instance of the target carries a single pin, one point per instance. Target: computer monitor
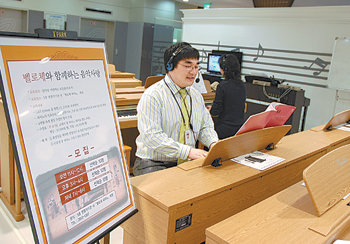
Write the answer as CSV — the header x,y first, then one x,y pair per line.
x,y
213,60
213,63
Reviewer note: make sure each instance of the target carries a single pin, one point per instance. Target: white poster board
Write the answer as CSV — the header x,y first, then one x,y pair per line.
x,y
339,73
55,21
68,144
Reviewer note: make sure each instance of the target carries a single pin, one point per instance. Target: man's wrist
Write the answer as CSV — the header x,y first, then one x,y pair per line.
x,y
184,151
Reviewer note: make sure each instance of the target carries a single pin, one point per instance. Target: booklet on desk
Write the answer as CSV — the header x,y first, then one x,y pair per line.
x,y
276,114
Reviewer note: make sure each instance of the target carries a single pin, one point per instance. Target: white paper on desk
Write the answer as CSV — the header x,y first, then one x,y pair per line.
x,y
200,86
344,126
341,242
251,160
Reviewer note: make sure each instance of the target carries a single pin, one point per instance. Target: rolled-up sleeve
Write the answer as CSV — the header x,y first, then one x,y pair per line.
x,y
207,133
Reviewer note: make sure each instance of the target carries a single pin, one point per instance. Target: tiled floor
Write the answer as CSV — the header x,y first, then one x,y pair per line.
x,y
20,232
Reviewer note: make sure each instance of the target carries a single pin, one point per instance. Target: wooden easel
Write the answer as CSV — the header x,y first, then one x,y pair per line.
x,y
235,146
338,119
11,189
327,179
150,80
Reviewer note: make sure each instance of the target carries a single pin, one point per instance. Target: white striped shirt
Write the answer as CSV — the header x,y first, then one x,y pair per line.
x,y
159,119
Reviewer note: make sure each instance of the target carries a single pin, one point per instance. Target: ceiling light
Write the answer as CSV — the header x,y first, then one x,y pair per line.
x,y
207,6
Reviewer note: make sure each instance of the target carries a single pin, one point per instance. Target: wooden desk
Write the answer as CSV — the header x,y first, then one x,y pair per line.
x,y
125,82
126,124
209,195
122,79
336,138
282,218
129,90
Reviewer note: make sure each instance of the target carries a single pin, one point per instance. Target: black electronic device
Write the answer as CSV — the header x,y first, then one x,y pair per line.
x,y
169,64
213,60
271,80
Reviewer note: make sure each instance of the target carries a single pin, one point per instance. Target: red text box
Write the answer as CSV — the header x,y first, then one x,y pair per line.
x,y
72,183
70,173
73,194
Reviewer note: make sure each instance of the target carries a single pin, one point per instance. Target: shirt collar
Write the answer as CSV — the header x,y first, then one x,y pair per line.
x,y
174,88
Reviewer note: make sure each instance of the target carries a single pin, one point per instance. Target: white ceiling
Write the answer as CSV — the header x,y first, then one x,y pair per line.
x,y
249,3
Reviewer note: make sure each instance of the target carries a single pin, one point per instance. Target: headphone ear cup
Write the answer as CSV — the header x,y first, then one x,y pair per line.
x,y
224,68
169,66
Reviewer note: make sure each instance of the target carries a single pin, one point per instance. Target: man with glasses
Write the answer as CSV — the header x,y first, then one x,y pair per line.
x,y
172,115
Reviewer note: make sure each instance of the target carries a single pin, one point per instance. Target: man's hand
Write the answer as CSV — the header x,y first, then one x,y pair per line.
x,y
197,153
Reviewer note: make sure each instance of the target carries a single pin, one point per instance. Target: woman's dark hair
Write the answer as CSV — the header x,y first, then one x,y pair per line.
x,y
177,52
230,65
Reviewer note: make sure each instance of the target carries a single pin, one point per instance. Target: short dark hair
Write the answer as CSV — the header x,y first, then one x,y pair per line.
x,y
177,52
230,65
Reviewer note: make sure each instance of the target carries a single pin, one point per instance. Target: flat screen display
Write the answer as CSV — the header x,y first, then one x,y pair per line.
x,y
213,60
213,63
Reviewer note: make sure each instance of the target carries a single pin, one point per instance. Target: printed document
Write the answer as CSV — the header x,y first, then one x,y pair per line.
x,y
258,160
344,126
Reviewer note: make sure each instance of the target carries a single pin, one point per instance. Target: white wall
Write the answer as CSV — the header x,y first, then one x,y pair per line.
x,y
119,8
122,10
309,29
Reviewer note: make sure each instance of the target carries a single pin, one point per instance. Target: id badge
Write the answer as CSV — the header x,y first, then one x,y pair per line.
x,y
189,137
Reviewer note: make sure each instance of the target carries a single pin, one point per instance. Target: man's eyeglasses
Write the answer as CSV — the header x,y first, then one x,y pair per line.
x,y
190,67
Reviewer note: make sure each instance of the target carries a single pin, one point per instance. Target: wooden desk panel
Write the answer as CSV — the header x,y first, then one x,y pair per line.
x,y
286,216
282,218
125,124
213,194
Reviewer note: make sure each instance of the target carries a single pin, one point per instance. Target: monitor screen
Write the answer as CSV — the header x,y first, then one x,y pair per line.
x,y
213,63
213,60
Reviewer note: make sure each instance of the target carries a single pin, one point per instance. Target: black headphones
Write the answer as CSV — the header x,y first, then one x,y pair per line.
x,y
169,64
223,64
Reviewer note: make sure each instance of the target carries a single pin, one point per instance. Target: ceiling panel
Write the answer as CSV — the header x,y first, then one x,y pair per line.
x,y
272,3
250,3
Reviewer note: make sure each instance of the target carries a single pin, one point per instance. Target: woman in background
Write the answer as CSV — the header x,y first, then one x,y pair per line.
x,y
228,106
